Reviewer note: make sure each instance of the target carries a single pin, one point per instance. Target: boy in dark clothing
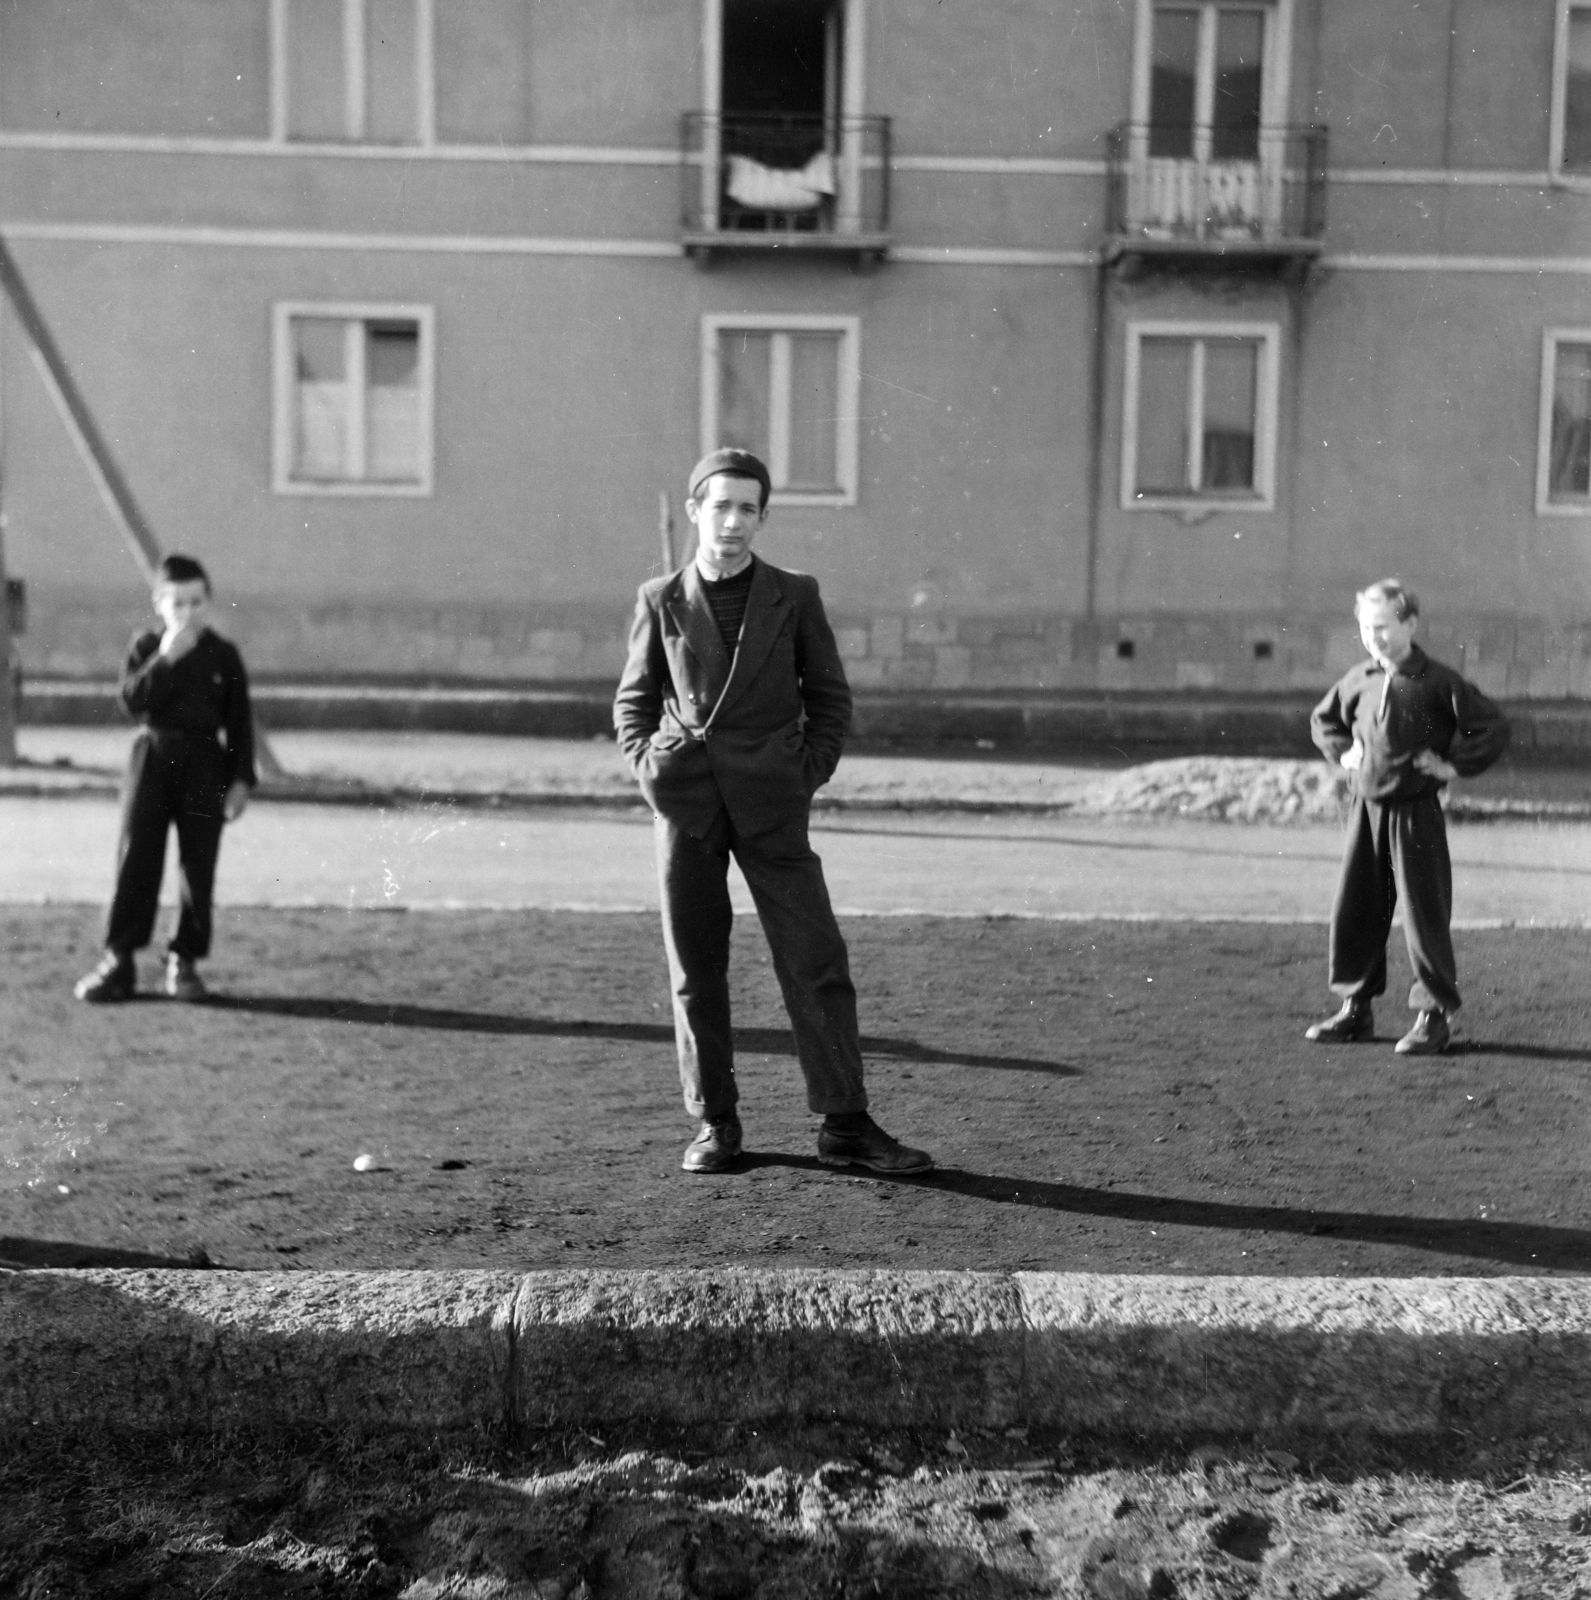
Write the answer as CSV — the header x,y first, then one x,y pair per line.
x,y
1404,725
192,764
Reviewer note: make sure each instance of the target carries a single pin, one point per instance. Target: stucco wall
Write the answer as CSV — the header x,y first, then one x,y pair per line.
x,y
196,67
567,383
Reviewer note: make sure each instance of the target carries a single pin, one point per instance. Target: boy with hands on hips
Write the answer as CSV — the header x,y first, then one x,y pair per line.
x,y
1404,725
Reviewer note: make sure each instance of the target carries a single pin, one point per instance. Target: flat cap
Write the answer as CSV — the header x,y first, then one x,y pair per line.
x,y
737,463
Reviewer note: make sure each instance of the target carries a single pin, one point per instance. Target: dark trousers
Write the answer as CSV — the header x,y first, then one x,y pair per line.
x,y
1395,852
171,778
809,958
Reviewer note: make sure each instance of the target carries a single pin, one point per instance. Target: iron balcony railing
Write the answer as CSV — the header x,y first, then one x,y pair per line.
x,y
1216,187
775,179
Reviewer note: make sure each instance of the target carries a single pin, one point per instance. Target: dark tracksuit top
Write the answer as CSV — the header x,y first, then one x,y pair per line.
x,y
1397,838
197,739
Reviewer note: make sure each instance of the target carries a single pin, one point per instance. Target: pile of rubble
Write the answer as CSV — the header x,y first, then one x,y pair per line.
x,y
1223,788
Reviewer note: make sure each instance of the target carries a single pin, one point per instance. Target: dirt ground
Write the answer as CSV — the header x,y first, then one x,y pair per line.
x,y
828,1512
1101,1096
1131,1097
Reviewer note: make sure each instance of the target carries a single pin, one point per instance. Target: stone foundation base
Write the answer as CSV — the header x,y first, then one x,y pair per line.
x,y
1517,657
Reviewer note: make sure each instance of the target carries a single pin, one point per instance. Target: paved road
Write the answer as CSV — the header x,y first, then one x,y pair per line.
x,y
441,856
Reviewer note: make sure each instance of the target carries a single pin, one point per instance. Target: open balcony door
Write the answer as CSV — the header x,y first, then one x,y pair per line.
x,y
799,60
1210,94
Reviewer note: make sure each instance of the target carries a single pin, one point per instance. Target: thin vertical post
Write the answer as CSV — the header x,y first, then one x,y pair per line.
x,y
853,103
8,683
8,696
712,108
425,71
665,530
278,71
356,90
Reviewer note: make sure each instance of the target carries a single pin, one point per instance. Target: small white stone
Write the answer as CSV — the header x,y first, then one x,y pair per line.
x,y
364,1163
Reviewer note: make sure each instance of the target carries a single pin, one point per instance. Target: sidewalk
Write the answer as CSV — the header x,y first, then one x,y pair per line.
x,y
395,767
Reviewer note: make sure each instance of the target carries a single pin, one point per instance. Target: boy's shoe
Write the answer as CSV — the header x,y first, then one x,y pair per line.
x,y
716,1147
1429,1036
1356,1020
115,978
871,1147
183,981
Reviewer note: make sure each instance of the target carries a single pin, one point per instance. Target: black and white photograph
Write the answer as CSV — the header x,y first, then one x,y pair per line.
x,y
795,799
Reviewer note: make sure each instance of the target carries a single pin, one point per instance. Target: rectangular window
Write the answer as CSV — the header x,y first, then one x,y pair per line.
x,y
353,399
786,388
1563,460
355,70
1206,80
1199,425
1571,99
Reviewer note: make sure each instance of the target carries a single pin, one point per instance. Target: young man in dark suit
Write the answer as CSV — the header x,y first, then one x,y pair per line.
x,y
731,713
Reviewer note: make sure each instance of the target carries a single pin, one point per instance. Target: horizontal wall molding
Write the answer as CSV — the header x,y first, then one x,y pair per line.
x,y
1447,177
668,156
1035,166
126,233
168,145
480,244
1535,266
989,256
313,239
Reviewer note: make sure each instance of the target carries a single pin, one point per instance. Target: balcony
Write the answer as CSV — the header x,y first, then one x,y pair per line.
x,y
812,184
1216,196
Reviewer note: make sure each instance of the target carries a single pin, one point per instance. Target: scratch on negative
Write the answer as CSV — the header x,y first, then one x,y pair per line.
x,y
872,377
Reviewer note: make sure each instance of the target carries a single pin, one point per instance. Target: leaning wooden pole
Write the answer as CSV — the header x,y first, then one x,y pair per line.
x,y
665,530
92,448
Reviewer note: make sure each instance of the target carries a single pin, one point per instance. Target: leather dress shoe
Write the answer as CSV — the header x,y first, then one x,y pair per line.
x,y
716,1147
115,978
183,981
1356,1020
870,1146
1429,1036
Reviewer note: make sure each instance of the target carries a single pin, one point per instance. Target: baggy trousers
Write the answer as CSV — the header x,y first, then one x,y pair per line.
x,y
1395,851
176,778
786,882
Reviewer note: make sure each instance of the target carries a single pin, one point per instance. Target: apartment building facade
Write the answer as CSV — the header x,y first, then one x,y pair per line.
x,y
1092,344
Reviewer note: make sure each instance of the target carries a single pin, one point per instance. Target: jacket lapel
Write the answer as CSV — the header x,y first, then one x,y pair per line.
x,y
687,604
765,612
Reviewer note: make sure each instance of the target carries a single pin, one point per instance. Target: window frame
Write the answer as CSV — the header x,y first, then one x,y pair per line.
x,y
285,386
1274,68
1575,177
1266,390
847,422
1546,506
356,86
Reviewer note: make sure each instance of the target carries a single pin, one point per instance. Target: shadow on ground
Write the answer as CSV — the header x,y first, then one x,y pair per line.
x,y
751,1041
20,1255
1515,1244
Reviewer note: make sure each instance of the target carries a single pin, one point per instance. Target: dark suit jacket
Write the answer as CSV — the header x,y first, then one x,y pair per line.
x,y
757,733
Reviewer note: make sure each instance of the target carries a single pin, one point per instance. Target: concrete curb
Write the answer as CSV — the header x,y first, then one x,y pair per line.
x,y
1156,1356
